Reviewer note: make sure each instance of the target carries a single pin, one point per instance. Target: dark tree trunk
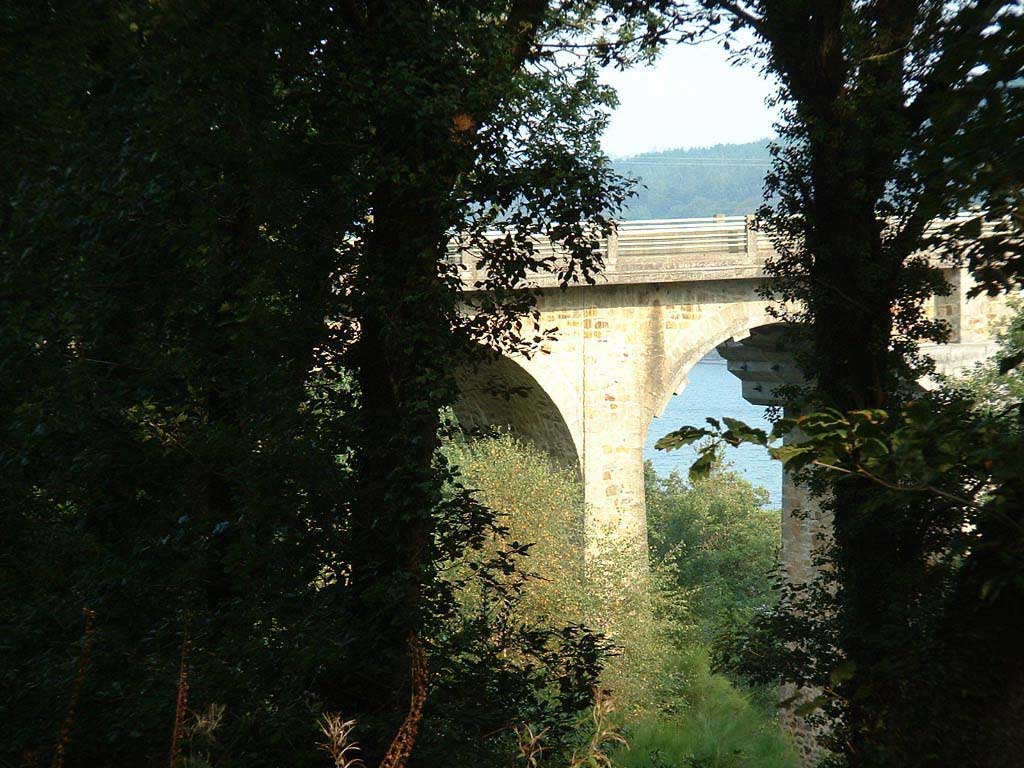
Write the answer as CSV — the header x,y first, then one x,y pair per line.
x,y
853,288
404,373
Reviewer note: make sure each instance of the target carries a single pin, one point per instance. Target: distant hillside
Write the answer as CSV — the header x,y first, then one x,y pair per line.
x,y
682,183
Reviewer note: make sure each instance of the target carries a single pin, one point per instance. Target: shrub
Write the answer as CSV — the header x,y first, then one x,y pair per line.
x,y
718,726
719,541
541,505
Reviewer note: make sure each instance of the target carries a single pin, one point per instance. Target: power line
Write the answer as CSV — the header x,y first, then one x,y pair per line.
x,y
691,164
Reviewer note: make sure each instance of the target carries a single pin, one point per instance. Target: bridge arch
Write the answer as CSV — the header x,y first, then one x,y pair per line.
x,y
725,397
501,392
684,351
621,349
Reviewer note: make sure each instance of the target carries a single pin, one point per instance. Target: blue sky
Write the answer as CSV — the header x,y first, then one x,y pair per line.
x,y
692,96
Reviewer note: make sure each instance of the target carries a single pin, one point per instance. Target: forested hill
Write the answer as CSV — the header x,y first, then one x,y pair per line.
x,y
703,181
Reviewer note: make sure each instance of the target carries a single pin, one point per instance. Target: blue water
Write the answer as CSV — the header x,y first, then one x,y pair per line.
x,y
715,392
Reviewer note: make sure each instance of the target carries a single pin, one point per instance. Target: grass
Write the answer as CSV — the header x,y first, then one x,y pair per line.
x,y
718,726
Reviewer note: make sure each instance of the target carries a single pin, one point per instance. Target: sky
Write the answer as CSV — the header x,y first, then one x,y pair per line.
x,y
691,97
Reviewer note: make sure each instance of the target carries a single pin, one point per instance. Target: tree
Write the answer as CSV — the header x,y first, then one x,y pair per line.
x,y
230,321
701,181
896,114
719,541
170,454
475,126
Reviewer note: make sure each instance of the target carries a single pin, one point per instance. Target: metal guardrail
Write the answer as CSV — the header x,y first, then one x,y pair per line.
x,y
659,245
679,245
722,234
669,249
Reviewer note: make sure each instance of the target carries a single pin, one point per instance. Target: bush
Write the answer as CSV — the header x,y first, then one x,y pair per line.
x,y
541,506
712,546
719,726
719,541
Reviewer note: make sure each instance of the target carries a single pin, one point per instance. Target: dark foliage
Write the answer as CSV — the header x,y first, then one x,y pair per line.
x,y
948,475
882,134
228,323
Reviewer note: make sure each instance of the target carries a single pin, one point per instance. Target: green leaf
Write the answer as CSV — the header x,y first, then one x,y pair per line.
x,y
787,453
782,427
679,438
821,420
740,432
872,447
702,467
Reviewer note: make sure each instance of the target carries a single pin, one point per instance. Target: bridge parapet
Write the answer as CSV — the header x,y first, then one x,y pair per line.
x,y
729,248
659,250
671,250
668,251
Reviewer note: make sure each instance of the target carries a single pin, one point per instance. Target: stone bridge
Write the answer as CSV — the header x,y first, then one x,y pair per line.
x,y
672,291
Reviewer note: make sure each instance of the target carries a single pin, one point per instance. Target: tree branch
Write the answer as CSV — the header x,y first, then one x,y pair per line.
x,y
754,22
522,23
861,472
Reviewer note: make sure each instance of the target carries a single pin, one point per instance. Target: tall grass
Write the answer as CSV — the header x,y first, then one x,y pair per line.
x,y
718,726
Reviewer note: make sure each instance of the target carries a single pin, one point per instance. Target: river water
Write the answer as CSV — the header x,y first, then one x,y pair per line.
x,y
715,392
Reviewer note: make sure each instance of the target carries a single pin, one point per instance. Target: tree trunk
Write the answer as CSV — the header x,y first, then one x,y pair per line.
x,y
404,373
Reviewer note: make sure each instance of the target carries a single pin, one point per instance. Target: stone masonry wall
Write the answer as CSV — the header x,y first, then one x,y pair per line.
x,y
621,352
805,527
